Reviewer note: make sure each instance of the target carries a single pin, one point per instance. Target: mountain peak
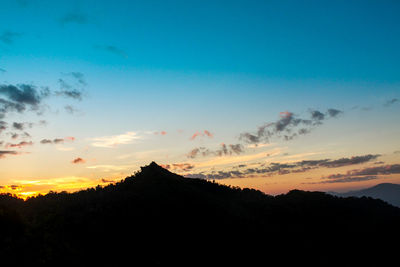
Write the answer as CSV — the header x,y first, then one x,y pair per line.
x,y
152,167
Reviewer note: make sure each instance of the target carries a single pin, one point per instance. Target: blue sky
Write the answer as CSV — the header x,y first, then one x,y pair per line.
x,y
183,67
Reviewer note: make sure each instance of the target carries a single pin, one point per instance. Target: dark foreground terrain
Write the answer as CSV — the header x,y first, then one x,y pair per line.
x,y
157,217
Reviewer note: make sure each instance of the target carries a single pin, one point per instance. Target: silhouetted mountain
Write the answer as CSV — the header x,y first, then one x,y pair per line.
x,y
157,217
386,192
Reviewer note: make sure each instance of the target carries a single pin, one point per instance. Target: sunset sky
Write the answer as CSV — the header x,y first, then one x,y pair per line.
x,y
272,95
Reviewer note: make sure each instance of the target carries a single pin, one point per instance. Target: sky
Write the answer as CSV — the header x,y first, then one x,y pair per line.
x,y
272,95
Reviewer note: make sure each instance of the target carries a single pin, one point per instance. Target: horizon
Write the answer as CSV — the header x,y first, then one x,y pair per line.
x,y
273,95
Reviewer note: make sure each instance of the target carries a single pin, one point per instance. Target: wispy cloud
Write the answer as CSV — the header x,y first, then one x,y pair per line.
x,y
8,37
19,145
73,18
112,49
110,167
201,134
115,140
391,102
4,153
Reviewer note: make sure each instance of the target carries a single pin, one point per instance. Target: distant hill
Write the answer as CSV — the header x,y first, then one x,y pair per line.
x,y
386,191
156,217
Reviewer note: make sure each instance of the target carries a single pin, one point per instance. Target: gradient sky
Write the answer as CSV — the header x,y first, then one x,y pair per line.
x,y
273,95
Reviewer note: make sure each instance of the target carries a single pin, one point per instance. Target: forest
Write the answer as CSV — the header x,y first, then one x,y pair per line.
x,y
156,217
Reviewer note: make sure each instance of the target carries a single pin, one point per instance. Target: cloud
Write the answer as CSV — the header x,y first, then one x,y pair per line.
x,y
73,87
19,145
20,97
78,161
79,77
67,90
112,49
23,93
18,126
359,175
2,70
224,150
391,102
178,166
349,179
201,134
114,140
349,161
288,126
8,37
73,18
57,140
160,133
278,168
70,109
4,153
3,126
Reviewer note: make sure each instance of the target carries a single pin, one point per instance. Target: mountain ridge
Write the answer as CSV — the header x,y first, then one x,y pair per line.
x,y
387,192
166,218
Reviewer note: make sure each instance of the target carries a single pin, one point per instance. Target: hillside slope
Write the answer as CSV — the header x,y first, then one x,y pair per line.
x,y
157,217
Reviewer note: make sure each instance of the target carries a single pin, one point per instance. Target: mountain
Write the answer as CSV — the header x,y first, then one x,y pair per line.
x,y
156,217
386,192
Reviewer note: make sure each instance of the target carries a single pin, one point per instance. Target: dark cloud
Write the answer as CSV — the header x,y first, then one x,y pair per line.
x,y
18,126
78,161
276,168
8,37
23,94
74,18
4,153
67,90
391,102
288,126
224,150
73,87
334,112
3,126
57,140
112,49
20,97
317,115
395,152
106,181
349,161
2,70
14,135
